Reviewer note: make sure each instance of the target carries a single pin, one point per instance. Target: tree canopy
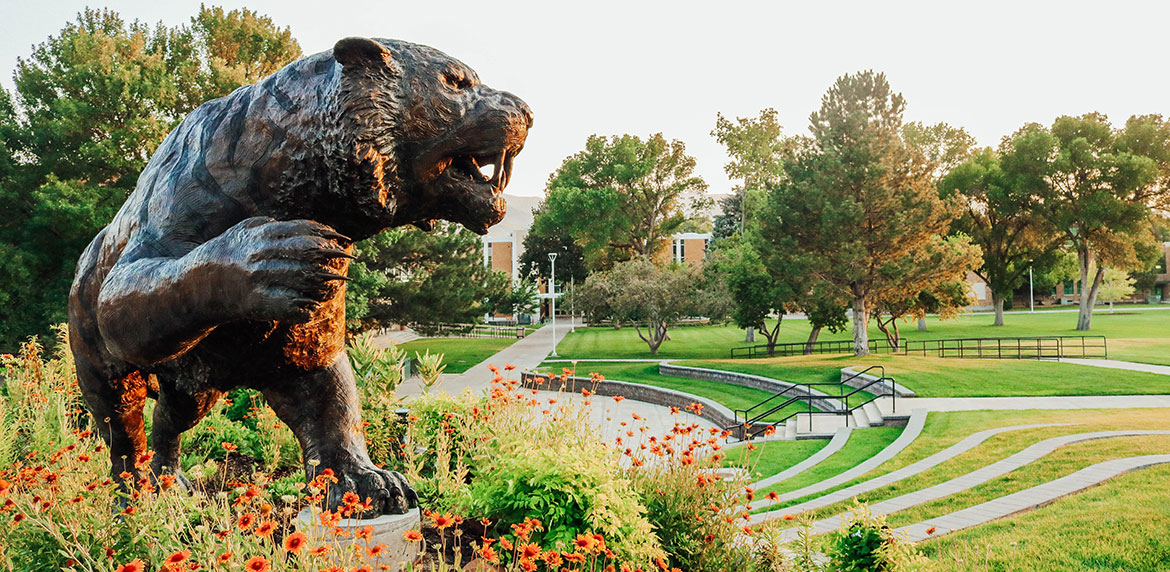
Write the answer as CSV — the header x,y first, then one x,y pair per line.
x,y
621,197
91,105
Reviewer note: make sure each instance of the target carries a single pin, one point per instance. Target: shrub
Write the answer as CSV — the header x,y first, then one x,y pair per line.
x,y
866,544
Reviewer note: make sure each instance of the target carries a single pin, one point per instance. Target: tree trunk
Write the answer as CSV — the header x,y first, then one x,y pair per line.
x,y
774,335
1088,295
860,323
890,329
812,339
997,300
922,324
750,337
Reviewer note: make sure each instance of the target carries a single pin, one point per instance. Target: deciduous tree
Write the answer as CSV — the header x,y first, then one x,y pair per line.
x,y
640,293
621,197
859,202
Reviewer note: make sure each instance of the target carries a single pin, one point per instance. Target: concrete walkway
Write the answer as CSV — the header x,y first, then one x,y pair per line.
x,y
967,481
524,354
1027,499
969,442
1116,364
1008,403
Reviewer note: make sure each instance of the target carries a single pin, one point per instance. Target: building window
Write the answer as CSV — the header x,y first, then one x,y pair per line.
x,y
488,258
682,252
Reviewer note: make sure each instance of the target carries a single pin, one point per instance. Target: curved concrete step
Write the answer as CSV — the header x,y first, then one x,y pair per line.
x,y
1028,499
969,442
876,419
909,434
967,481
838,441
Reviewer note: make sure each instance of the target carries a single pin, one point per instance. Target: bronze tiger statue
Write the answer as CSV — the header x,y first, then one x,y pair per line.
x,y
226,266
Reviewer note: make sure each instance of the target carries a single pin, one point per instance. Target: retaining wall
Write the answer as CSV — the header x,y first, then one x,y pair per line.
x,y
714,412
748,380
861,380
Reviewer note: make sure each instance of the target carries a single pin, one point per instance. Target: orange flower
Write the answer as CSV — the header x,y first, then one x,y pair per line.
x,y
930,530
412,536
376,550
135,565
223,558
772,496
350,498
229,447
257,564
363,568
143,459
266,528
295,542
364,532
488,553
246,521
618,398
320,550
443,521
583,542
527,565
166,481
178,557
530,550
789,517
16,518
552,558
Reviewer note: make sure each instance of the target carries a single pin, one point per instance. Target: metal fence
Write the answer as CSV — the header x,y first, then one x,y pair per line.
x,y
1033,347
473,331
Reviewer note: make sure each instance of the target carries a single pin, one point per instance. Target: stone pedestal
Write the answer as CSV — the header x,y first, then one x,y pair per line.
x,y
387,529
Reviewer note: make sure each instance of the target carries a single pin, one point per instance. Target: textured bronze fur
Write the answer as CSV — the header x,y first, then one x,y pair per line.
x,y
226,265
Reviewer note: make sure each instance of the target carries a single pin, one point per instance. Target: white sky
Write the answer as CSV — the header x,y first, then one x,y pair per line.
x,y
638,67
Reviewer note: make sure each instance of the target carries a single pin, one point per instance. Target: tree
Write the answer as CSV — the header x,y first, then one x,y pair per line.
x,y
756,146
409,276
753,288
1101,183
1000,194
937,285
92,104
640,293
544,238
621,197
859,204
1116,285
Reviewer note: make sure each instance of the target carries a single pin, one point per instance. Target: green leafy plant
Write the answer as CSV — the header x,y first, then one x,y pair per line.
x,y
866,544
430,369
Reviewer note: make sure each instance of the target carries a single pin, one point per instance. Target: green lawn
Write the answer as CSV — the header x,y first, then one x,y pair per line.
x,y
945,429
731,396
954,377
862,444
1137,336
459,353
772,457
1116,526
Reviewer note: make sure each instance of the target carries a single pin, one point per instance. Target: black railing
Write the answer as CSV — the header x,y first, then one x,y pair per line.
x,y
1029,347
472,331
803,348
755,425
1034,347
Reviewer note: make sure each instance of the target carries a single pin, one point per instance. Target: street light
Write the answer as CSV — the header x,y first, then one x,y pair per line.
x,y
552,291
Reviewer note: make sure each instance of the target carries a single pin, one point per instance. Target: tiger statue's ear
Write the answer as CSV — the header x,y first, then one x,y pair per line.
x,y
361,52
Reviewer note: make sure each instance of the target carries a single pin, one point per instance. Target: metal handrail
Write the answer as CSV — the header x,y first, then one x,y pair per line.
x,y
749,425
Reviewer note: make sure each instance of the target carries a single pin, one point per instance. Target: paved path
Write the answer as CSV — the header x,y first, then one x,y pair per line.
x,y
524,354
1028,499
967,481
970,442
607,416
1001,403
838,441
909,434
1116,364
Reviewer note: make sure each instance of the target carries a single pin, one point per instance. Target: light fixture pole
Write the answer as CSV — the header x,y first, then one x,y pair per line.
x,y
573,305
552,292
1031,295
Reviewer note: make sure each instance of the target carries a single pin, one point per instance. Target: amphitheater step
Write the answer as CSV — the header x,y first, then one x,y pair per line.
x,y
876,419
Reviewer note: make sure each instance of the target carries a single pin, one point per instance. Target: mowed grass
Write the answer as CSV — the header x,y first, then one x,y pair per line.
x,y
731,396
458,353
862,445
1117,526
954,377
772,457
945,429
1133,336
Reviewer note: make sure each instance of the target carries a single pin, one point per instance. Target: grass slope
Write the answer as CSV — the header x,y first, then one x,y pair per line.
x,y
1118,526
1134,336
459,353
862,445
952,377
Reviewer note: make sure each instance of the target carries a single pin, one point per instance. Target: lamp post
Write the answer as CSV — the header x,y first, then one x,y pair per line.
x,y
1031,295
573,305
552,292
